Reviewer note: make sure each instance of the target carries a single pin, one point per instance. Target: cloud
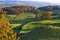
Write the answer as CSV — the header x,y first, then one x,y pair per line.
x,y
11,0
1,2
51,1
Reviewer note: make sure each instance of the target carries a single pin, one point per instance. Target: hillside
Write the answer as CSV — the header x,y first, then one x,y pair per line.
x,y
28,25
51,8
26,20
30,9
19,9
27,3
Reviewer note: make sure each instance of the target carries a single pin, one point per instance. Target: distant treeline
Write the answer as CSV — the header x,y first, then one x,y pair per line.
x,y
29,9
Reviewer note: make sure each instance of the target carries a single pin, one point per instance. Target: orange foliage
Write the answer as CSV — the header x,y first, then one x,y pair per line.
x,y
48,15
6,32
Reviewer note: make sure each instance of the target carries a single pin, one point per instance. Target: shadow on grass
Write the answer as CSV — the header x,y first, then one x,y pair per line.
x,y
42,33
56,18
24,21
54,24
36,34
18,29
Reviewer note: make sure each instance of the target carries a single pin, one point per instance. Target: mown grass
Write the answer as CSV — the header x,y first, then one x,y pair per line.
x,y
42,33
37,30
21,16
14,25
36,24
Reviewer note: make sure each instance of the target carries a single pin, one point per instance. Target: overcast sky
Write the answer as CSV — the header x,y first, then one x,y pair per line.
x,y
51,1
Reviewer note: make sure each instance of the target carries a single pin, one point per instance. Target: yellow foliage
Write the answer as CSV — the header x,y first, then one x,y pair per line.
x,y
6,32
48,15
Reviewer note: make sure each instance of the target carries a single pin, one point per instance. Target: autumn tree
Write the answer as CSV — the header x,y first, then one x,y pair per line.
x,y
6,32
48,15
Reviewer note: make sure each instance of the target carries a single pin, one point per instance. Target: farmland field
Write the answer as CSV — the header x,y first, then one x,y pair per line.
x,y
38,30
29,20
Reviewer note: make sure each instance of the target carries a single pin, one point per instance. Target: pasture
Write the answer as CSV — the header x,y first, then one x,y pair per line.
x,y
36,30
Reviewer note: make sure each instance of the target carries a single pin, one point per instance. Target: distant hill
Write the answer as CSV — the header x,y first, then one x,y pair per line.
x,y
50,8
34,4
27,3
20,9
30,9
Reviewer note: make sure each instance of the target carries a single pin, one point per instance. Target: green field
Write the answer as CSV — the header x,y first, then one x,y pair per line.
x,y
36,30
21,16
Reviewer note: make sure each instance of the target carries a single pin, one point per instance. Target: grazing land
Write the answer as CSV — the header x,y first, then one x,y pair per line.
x,y
30,23
36,30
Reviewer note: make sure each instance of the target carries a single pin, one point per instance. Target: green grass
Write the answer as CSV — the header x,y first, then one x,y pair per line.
x,y
36,24
10,17
42,33
21,16
15,25
25,16
37,30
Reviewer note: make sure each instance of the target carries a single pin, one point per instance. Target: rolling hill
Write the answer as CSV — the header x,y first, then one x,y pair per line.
x,y
51,8
27,3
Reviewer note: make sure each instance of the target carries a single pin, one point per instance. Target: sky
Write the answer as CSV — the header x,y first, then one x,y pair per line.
x,y
51,1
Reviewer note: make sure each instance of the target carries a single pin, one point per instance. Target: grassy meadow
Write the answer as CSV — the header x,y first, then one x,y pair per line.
x,y
36,29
